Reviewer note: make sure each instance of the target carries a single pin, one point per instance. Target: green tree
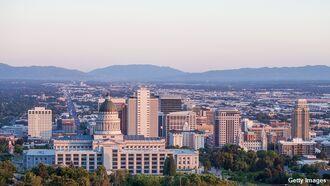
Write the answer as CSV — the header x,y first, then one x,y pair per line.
x,y
7,170
119,177
31,179
102,178
18,149
169,166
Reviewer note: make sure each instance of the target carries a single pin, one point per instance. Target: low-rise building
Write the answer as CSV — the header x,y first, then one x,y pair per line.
x,y
191,139
297,147
33,157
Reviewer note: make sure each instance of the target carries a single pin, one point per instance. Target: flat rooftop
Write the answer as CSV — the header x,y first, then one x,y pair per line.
x,y
76,137
140,137
40,152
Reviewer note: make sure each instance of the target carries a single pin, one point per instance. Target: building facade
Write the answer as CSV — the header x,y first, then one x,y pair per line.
x,y
142,114
300,120
191,139
297,147
40,123
227,127
170,104
33,157
180,121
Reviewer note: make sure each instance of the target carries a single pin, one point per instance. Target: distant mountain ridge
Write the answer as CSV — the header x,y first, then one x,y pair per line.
x,y
135,73
153,73
40,73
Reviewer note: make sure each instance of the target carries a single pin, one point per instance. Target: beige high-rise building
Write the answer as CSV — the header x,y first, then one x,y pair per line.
x,y
227,127
40,123
300,120
142,114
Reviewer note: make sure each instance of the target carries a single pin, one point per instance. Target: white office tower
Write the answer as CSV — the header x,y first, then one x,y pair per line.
x,y
142,116
40,123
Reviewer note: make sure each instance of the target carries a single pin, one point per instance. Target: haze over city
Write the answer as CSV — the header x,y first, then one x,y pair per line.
x,y
192,36
164,93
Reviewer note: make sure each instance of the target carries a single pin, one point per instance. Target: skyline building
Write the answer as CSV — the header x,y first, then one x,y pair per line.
x,y
40,123
300,120
227,127
170,104
179,121
109,147
142,114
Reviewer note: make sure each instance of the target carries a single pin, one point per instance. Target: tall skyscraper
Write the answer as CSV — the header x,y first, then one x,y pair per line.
x,y
300,120
170,104
142,114
227,127
40,123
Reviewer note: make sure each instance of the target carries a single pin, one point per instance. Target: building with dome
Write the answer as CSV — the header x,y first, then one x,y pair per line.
x,y
110,148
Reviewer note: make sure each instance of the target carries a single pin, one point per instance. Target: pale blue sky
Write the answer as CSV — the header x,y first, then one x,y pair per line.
x,y
186,34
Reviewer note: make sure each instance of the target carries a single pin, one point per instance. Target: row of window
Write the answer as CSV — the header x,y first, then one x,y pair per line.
x,y
40,112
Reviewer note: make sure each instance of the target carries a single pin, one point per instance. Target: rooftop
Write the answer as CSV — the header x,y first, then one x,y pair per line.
x,y
183,151
40,152
180,113
140,137
297,141
76,137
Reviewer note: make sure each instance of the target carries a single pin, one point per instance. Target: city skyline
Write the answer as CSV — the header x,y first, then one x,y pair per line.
x,y
164,92
190,36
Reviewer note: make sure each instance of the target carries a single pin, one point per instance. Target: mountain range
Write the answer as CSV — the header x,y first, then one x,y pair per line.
x,y
150,73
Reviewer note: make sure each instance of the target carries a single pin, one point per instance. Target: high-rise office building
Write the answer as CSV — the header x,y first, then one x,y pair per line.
x,y
40,123
170,104
227,127
300,120
142,114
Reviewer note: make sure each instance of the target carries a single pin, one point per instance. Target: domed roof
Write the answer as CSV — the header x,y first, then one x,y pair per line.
x,y
108,106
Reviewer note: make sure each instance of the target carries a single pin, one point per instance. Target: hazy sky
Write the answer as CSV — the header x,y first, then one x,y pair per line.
x,y
185,34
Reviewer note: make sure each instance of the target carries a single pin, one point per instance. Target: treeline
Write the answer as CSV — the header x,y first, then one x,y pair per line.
x,y
257,167
71,176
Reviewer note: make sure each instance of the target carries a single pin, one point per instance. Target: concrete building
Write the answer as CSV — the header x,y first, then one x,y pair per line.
x,y
297,147
186,161
110,148
192,139
33,157
40,123
142,114
300,120
227,127
170,104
